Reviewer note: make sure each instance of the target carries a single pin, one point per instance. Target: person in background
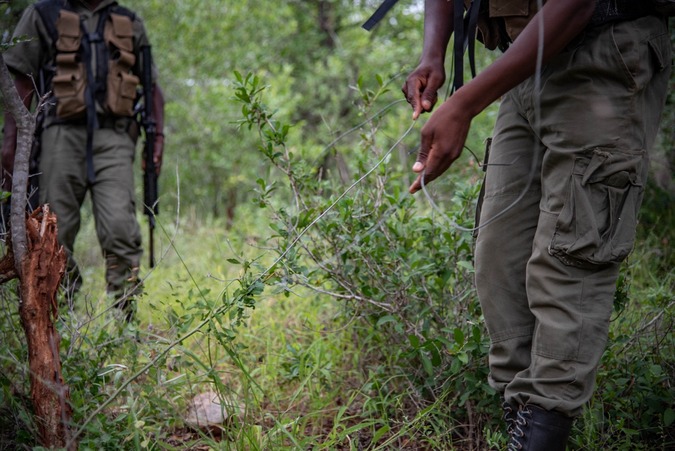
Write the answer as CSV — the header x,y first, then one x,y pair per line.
x,y
565,178
88,56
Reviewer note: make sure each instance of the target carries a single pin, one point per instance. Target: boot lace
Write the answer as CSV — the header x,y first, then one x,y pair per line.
x,y
517,432
508,416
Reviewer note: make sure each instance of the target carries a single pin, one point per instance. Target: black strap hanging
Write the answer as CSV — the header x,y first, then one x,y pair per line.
x,y
90,100
470,39
93,46
464,31
465,40
458,45
379,14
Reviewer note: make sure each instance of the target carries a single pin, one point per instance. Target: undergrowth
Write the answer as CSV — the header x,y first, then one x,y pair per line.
x,y
338,313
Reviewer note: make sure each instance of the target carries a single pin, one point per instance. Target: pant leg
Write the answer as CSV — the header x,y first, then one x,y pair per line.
x,y
114,206
600,105
504,241
62,180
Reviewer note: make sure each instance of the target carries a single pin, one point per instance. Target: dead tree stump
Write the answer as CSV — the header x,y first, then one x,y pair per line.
x,y
42,268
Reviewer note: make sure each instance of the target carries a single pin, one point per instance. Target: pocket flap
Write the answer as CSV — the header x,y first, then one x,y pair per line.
x,y
510,8
69,32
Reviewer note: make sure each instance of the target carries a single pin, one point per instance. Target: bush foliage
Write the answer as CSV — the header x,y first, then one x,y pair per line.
x,y
299,283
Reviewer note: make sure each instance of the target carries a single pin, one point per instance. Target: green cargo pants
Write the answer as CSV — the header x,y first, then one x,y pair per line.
x,y
546,270
63,184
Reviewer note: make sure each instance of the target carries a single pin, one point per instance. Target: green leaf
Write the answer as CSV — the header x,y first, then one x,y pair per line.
x,y
465,265
463,357
380,433
459,336
384,320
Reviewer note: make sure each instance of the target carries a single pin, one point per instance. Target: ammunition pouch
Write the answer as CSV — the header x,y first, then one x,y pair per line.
x,y
121,87
70,80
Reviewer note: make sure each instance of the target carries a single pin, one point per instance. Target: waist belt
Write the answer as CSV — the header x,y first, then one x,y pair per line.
x,y
103,121
616,10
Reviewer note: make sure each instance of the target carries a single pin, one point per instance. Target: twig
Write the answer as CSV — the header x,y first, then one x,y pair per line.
x,y
639,332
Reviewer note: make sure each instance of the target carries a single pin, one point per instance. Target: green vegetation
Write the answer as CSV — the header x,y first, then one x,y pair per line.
x,y
297,281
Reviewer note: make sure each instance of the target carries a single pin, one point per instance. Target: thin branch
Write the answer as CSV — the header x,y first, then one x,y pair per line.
x,y
25,123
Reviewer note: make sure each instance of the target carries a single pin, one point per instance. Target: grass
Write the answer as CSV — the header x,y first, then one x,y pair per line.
x,y
292,357
298,372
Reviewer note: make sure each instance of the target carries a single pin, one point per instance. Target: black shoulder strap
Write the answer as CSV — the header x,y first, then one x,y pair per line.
x,y
122,11
49,12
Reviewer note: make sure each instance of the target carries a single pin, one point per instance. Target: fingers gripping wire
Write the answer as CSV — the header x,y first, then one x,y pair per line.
x,y
536,151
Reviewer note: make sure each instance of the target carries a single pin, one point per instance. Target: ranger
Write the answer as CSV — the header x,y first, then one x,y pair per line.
x,y
87,54
582,85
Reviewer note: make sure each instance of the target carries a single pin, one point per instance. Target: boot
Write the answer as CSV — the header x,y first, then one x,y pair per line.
x,y
124,285
127,306
536,429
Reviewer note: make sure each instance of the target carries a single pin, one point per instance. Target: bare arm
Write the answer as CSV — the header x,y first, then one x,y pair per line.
x,y
444,134
422,85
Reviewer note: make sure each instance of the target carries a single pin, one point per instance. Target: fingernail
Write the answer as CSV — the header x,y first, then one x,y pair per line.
x,y
417,167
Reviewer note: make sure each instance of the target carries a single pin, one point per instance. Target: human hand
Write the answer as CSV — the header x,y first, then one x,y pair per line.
x,y
157,154
442,140
421,87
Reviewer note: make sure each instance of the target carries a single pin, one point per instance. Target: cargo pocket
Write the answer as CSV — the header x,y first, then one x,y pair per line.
x,y
69,85
597,223
70,81
122,83
69,32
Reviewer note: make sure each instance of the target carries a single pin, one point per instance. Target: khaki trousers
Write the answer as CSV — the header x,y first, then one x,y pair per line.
x,y
63,184
574,146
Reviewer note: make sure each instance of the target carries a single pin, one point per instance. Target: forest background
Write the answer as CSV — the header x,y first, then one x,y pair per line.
x,y
298,286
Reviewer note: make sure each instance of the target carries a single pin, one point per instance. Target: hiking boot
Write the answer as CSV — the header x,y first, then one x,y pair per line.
x,y
126,290
536,429
126,304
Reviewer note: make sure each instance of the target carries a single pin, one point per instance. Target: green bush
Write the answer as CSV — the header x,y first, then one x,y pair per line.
x,y
402,269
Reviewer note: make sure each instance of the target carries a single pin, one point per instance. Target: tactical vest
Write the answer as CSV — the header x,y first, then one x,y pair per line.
x,y
501,21
91,67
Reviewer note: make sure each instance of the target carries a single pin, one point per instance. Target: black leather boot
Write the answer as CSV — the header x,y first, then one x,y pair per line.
x,y
536,429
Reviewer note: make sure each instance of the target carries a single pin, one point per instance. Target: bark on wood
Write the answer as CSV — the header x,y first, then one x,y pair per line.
x,y
42,270
39,262
25,123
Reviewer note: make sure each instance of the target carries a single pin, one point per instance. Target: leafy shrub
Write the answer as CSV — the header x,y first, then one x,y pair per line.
x,y
405,274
